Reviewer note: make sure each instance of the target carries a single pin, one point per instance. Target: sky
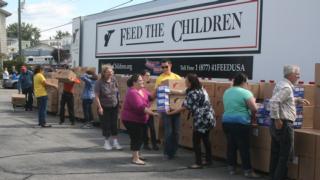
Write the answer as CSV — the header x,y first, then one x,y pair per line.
x,y
46,14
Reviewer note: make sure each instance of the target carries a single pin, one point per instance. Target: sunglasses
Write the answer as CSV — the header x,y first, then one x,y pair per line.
x,y
164,67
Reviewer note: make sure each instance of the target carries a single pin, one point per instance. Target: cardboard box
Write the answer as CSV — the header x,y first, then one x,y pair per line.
x,y
317,163
306,168
308,116
268,90
220,88
176,101
317,74
210,87
218,107
260,138
261,90
316,120
218,143
293,169
18,99
317,96
255,89
65,75
310,93
260,159
305,142
175,84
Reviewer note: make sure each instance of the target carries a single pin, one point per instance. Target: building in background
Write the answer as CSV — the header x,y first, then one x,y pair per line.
x,y
13,46
3,33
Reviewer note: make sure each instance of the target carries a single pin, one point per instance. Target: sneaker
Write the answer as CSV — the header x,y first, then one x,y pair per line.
x,y
251,174
107,146
45,125
86,126
116,145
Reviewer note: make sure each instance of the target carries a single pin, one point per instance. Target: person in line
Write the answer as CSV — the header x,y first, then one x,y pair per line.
x,y
239,109
198,103
25,85
283,114
171,123
150,123
134,116
67,98
5,76
89,78
40,92
107,98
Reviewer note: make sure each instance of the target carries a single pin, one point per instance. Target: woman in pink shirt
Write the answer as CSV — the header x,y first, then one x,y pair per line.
x,y
135,114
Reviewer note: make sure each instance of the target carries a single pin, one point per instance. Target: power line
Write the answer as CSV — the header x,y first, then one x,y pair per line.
x,y
56,27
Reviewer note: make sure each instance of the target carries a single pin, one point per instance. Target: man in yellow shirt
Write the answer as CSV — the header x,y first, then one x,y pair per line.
x,y
40,92
171,123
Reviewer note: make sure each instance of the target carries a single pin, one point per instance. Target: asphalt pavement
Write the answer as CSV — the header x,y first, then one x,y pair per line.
x,y
65,152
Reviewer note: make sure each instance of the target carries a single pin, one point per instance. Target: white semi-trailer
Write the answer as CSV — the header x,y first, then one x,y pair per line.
x,y
212,38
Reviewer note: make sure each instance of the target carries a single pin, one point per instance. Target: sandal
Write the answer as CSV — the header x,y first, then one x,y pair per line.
x,y
195,166
141,163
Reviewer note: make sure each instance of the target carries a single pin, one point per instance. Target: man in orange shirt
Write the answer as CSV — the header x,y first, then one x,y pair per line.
x,y
67,98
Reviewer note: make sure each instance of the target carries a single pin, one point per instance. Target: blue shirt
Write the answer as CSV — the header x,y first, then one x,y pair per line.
x,y
235,106
25,80
88,92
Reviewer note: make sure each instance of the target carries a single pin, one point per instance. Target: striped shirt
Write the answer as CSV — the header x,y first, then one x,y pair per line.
x,y
282,103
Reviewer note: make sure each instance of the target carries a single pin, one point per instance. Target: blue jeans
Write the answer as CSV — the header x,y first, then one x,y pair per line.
x,y
42,113
171,133
87,110
282,145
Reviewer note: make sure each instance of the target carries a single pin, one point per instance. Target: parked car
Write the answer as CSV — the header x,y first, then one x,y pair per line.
x,y
11,83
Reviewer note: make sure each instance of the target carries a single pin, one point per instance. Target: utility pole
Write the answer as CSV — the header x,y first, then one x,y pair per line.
x,y
19,27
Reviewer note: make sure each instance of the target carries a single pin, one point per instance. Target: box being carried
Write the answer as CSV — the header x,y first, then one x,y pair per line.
x,y
65,75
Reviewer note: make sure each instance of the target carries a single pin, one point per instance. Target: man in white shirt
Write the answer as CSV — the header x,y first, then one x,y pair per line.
x,y
283,114
5,76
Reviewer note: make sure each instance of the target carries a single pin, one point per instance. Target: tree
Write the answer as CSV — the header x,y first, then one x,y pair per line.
x,y
28,32
60,34
64,54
